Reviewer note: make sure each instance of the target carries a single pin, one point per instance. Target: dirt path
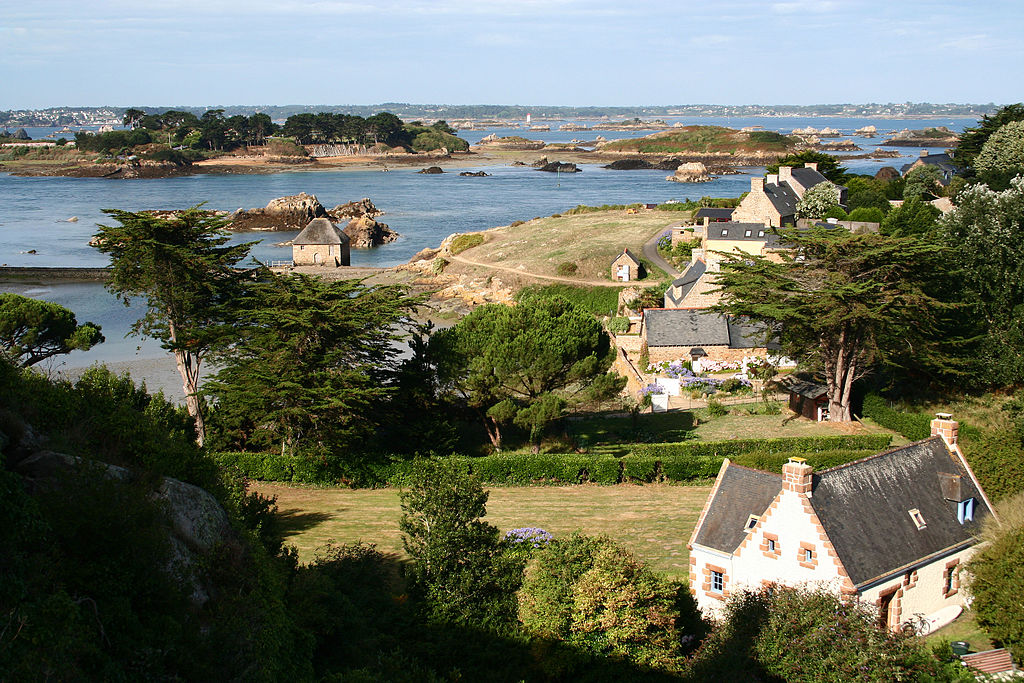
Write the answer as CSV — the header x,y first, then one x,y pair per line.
x,y
523,273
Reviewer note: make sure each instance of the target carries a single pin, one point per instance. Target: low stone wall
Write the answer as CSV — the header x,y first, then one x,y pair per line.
x,y
46,274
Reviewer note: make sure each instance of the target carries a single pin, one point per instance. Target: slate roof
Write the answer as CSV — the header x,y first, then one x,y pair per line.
x,y
631,255
321,231
808,177
713,214
864,507
809,390
687,281
782,197
698,327
734,231
741,492
943,162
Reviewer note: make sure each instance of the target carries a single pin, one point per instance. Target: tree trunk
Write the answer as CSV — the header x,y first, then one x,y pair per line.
x,y
839,374
188,368
493,432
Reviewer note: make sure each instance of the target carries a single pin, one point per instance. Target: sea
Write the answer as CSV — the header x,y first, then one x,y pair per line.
x,y
35,229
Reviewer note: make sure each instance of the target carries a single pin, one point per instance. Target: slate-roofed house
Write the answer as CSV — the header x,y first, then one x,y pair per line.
x,y
626,267
943,162
673,333
321,243
713,215
772,200
891,530
691,286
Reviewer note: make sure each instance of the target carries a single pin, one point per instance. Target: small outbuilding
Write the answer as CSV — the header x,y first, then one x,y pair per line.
x,y
809,399
321,243
626,267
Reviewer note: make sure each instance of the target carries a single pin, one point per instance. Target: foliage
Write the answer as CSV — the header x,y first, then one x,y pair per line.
x,y
438,265
464,242
828,165
867,215
844,303
523,363
1002,156
923,182
430,139
866,193
914,426
594,300
596,596
973,139
32,330
308,364
818,201
618,325
836,212
996,582
913,218
187,273
457,563
987,230
716,409
567,269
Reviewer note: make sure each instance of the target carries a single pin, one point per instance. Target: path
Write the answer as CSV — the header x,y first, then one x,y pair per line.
x,y
650,251
554,278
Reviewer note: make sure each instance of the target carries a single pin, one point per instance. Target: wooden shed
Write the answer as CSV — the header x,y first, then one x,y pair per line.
x,y
321,243
626,267
810,400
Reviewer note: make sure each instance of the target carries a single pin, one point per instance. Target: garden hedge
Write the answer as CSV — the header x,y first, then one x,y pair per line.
x,y
681,462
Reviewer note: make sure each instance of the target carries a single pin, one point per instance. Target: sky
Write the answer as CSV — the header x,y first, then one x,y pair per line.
x,y
530,52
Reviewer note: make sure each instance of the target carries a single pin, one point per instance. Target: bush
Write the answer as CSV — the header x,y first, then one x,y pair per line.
x,y
914,426
595,300
463,242
867,215
716,409
566,269
996,584
618,325
438,265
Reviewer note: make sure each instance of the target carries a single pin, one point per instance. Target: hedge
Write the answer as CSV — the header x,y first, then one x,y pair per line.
x,y
914,426
645,462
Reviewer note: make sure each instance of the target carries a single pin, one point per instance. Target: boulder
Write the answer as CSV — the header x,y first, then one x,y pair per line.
x,y
630,165
432,170
363,207
284,213
366,233
425,254
560,167
692,172
477,174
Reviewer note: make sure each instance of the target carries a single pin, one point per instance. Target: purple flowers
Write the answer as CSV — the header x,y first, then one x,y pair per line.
x,y
665,240
651,389
532,535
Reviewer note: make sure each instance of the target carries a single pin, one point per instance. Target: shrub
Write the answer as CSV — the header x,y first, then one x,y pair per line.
x,y
463,242
914,426
716,409
618,325
595,300
516,224
438,265
996,584
566,269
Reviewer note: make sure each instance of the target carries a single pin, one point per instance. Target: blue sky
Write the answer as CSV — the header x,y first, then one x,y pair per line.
x,y
554,52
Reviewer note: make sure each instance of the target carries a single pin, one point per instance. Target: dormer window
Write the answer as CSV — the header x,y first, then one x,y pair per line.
x,y
918,518
751,522
725,232
760,233
965,511
748,233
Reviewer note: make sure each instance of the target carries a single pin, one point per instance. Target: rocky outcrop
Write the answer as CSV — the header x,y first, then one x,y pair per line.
x,y
356,209
477,174
365,233
284,213
560,167
511,142
838,146
630,165
692,172
432,170
939,136
888,174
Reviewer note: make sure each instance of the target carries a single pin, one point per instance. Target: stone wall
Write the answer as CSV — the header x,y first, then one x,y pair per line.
x,y
659,354
756,207
328,255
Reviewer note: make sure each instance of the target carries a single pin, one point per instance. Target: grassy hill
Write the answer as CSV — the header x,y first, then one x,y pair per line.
x,y
705,139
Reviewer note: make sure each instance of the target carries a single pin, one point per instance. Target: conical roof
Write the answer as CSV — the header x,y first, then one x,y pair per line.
x,y
321,231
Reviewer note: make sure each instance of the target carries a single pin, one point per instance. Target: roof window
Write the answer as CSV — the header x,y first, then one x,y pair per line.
x,y
965,511
751,522
760,233
725,232
918,518
748,233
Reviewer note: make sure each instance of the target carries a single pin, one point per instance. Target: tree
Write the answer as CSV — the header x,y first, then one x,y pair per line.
x,y
866,193
32,331
913,217
828,165
843,303
594,595
923,182
186,271
310,361
385,127
523,363
1002,156
973,139
986,234
132,117
818,201
457,561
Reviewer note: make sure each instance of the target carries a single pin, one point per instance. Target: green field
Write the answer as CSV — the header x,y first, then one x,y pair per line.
x,y
653,521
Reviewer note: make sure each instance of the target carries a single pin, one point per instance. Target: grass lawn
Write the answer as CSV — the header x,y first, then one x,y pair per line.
x,y
964,628
653,521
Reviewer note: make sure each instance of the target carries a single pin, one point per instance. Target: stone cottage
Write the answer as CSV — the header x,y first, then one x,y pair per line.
x,y
673,333
321,243
626,267
891,530
772,200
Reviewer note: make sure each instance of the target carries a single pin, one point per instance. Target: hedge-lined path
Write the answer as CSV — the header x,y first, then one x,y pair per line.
x,y
654,521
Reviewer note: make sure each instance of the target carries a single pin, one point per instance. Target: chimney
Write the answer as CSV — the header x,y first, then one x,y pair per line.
x,y
924,153
757,185
772,179
945,426
785,173
813,165
707,222
796,476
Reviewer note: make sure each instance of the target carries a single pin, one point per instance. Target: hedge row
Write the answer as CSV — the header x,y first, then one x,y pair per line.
x,y
914,426
679,462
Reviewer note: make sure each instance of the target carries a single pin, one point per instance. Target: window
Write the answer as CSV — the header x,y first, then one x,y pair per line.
x,y
751,522
915,515
748,233
725,232
965,511
771,545
947,582
808,555
760,233
717,581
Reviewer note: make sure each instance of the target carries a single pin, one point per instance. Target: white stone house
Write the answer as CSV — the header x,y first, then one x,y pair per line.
x,y
321,243
891,530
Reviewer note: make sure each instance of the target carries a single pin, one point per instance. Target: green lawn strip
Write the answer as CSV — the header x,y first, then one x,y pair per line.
x,y
653,521
965,628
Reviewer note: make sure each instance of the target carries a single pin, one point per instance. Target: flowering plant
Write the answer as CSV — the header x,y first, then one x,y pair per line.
x,y
665,240
530,536
651,389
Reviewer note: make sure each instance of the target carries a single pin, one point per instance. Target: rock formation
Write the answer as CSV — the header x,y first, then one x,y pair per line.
x,y
477,174
432,170
560,167
284,213
363,207
693,172
365,233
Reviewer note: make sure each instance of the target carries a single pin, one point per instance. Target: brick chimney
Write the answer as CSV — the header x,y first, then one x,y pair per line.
x,y
707,222
813,165
945,426
785,173
924,153
757,185
796,476
773,179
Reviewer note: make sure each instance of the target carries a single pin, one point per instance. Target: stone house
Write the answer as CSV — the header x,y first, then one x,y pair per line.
x,y
772,200
713,215
626,267
891,530
669,334
943,162
321,243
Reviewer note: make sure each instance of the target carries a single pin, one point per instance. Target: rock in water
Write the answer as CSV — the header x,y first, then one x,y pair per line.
x,y
432,170
692,172
363,207
560,167
285,213
365,233
477,174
